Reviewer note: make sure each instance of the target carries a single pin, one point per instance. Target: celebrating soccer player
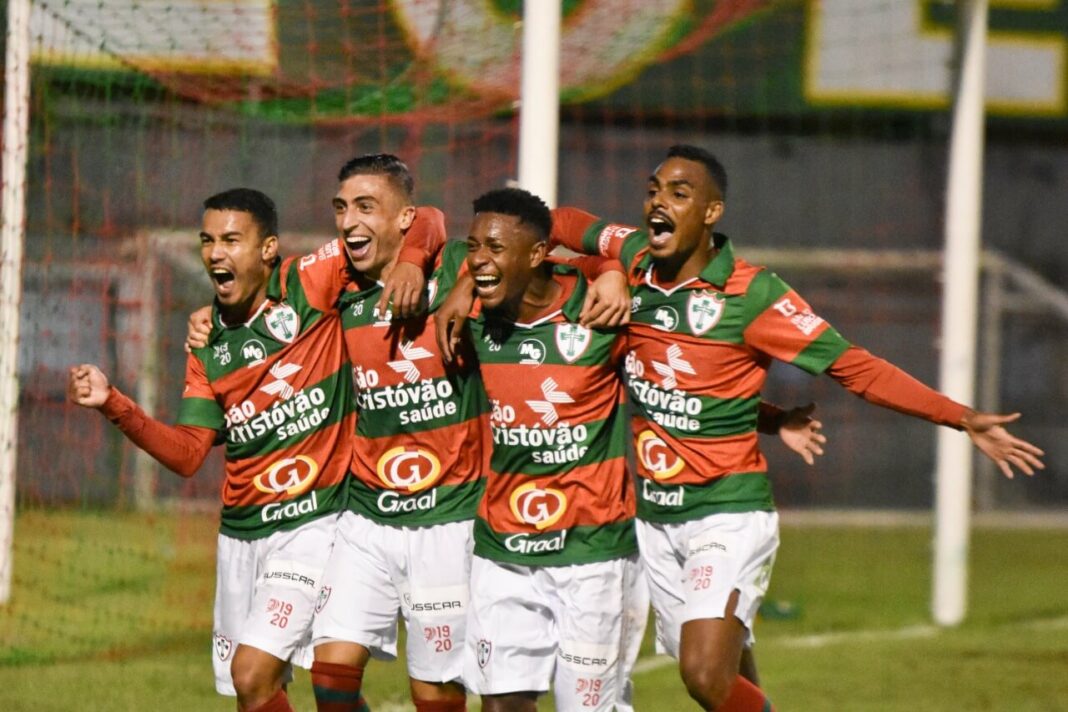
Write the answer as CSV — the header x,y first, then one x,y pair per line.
x,y
274,382
704,328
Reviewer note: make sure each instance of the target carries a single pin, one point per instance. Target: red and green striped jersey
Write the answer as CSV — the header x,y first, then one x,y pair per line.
x,y
279,389
697,357
418,457
558,490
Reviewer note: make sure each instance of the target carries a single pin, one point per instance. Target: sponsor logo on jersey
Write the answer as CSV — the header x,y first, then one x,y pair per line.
x,y
805,321
254,352
572,340
547,408
703,311
612,232
280,387
223,646
283,323
675,364
293,476
323,598
408,469
668,497
665,318
482,652
292,509
657,457
406,365
531,352
530,544
540,507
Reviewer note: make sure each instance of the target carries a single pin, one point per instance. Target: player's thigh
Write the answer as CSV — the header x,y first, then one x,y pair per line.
x,y
284,599
435,599
663,574
601,618
511,639
358,601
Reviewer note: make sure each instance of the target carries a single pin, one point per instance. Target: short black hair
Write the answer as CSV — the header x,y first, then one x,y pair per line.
x,y
523,204
695,153
380,164
248,200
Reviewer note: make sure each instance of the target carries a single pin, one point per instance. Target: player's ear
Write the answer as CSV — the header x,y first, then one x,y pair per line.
x,y
269,248
714,212
538,252
407,217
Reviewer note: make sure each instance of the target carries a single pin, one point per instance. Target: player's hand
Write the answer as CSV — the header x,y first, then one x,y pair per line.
x,y
87,386
404,288
993,440
607,302
198,329
801,433
449,318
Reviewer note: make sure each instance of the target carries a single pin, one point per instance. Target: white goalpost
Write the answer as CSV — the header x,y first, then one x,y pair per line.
x,y
12,233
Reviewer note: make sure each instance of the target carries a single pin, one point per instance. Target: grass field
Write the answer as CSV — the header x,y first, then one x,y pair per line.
x,y
113,612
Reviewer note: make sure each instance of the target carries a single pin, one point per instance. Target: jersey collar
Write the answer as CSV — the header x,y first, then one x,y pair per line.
x,y
718,270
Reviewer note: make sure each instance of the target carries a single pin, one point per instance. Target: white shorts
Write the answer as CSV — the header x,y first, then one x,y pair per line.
x,y
578,627
378,572
693,567
265,593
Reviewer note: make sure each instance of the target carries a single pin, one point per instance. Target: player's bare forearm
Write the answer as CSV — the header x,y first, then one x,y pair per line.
x,y
607,301
801,432
449,318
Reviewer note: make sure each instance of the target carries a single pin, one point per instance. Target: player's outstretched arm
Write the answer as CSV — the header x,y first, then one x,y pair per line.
x,y
87,386
423,240
1007,451
450,316
198,329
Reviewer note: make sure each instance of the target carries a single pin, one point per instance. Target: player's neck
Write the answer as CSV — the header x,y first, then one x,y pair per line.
x,y
542,292
241,312
682,268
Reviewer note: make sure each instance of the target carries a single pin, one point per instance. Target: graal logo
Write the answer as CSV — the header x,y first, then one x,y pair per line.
x,y
292,475
540,507
657,457
675,363
283,323
531,352
223,646
406,366
483,651
546,408
279,387
409,469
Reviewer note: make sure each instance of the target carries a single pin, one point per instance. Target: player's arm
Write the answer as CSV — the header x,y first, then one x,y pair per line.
x,y
455,298
587,234
607,302
882,383
180,448
423,242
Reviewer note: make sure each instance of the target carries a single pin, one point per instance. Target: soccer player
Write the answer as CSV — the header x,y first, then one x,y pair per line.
x,y
404,542
556,593
704,329
274,384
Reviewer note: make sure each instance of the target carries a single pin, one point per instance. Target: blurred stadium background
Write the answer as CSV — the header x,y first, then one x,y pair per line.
x,y
831,117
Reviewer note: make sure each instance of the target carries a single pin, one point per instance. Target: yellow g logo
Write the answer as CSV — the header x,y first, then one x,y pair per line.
x,y
540,507
657,457
408,469
293,475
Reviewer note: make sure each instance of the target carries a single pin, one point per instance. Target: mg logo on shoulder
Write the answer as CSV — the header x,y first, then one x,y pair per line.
x,y
292,476
540,507
531,352
408,469
657,457
665,318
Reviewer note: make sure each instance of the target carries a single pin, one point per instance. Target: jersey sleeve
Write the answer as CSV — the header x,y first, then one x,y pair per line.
x,y
425,238
882,383
179,448
586,234
781,324
450,265
591,266
323,274
199,407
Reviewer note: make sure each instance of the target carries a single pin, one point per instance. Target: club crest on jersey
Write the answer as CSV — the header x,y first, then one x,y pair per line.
x,y
431,291
483,651
323,598
540,507
408,469
223,646
703,311
291,475
657,457
531,352
665,318
572,340
283,323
